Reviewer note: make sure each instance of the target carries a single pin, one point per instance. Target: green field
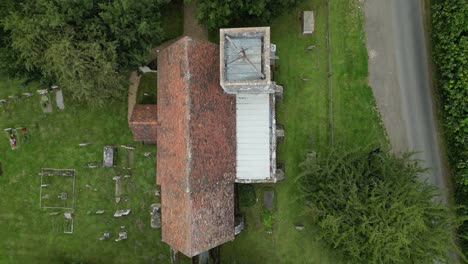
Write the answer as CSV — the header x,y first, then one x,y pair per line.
x,y
304,113
30,235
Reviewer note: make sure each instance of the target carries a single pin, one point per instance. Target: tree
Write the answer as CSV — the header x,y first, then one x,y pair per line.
x,y
372,207
85,46
215,14
8,56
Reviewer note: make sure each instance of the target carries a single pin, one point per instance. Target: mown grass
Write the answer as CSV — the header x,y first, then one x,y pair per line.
x,y
355,116
304,113
29,234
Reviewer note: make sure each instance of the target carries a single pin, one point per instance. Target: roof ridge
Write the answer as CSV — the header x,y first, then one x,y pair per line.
x,y
188,100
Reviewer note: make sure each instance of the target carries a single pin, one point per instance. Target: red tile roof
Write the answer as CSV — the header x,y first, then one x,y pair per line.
x,y
196,158
143,123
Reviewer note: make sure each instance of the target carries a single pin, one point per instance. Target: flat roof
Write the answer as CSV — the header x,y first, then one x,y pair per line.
x,y
253,131
243,58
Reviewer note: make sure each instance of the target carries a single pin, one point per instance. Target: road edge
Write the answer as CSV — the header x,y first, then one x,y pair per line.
x,y
437,103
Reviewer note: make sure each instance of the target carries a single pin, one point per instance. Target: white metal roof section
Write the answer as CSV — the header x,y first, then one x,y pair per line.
x,y
253,137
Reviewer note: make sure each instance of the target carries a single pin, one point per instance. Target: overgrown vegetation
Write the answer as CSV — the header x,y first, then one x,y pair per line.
x,y
215,14
267,219
85,46
372,207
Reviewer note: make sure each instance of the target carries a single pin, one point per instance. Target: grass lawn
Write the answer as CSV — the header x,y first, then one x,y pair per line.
x,y
147,91
29,234
304,113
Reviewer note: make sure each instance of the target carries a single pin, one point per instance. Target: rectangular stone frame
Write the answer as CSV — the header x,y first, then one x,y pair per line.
x,y
73,172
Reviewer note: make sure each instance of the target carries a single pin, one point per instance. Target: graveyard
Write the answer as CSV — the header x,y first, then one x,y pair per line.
x,y
60,193
114,199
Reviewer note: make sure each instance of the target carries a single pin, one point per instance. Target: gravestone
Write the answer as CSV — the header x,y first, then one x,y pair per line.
x,y
118,188
155,215
58,97
268,198
122,236
105,235
120,213
308,22
110,156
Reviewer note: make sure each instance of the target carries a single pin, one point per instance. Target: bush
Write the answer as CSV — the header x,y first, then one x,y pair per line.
x,y
247,196
267,219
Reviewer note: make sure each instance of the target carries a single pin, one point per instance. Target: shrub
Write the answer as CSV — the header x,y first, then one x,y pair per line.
x,y
247,196
267,219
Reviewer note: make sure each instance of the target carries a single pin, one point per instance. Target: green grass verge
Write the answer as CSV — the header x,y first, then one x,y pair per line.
x,y
304,113
355,116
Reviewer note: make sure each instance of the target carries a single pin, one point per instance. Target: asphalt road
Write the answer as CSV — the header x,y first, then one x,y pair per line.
x,y
399,77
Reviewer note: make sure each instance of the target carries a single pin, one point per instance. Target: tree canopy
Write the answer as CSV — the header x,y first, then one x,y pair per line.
x,y
215,14
371,207
85,46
